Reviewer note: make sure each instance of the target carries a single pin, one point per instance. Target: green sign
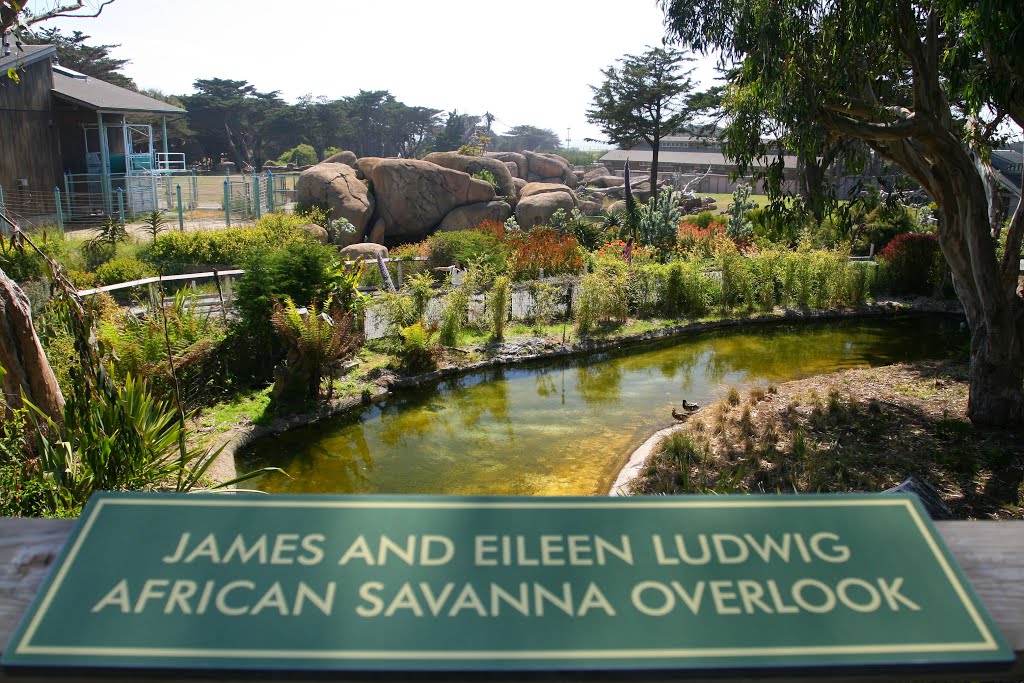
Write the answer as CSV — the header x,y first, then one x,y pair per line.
x,y
445,584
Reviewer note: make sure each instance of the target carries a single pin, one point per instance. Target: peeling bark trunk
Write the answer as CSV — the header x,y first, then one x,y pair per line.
x,y
22,356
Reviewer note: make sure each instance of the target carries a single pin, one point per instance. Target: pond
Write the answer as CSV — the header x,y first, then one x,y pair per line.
x,y
567,427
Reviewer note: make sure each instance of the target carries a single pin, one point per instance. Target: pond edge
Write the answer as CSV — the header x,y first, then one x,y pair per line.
x,y
237,438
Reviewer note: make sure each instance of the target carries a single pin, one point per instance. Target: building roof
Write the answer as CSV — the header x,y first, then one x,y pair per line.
x,y
26,55
692,158
92,93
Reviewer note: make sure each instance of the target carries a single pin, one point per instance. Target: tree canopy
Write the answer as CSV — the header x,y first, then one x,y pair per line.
x,y
923,84
92,60
643,100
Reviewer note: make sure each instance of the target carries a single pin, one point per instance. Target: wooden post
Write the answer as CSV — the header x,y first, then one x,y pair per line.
x,y
220,294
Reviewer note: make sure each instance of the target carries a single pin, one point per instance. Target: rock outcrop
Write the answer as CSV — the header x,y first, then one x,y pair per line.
x,y
472,215
363,250
346,157
549,168
532,189
365,166
537,209
413,197
473,165
512,157
335,187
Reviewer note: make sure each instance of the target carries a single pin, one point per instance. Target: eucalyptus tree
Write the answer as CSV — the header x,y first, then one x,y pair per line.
x,y
643,100
923,84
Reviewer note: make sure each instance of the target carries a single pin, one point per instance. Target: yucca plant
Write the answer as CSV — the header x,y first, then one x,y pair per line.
x,y
316,342
155,223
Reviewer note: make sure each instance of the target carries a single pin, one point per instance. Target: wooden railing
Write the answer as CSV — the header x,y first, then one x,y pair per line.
x,y
991,555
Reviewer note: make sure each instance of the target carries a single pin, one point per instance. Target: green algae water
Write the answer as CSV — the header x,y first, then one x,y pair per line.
x,y
567,427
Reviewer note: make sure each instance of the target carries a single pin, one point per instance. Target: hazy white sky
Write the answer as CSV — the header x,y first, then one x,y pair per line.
x,y
527,62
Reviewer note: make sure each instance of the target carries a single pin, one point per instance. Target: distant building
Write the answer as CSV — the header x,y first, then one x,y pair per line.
x,y
683,157
1010,165
62,129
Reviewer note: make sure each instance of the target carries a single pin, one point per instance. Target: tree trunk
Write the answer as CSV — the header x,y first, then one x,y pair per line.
x,y
654,169
28,371
996,397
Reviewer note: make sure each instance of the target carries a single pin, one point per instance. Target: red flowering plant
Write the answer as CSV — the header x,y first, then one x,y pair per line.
x,y
536,250
698,242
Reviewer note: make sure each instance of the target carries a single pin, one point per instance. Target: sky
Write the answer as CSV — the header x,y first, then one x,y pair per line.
x,y
527,62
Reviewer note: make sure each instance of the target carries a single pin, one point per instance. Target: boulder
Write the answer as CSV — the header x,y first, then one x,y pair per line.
x,y
514,157
520,184
595,173
473,165
538,209
363,250
365,166
335,187
617,207
532,189
377,233
346,157
607,181
589,208
550,166
472,215
315,232
513,168
414,196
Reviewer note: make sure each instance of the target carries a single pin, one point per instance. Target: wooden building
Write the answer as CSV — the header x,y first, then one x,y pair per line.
x,y
62,129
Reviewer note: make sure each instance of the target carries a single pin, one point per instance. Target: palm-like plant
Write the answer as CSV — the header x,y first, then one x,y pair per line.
x,y
155,223
315,343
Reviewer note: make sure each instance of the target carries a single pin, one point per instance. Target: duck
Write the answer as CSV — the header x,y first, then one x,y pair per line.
x,y
679,416
690,407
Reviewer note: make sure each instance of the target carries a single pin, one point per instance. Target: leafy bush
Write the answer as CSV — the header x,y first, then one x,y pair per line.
x,y
467,247
658,227
314,345
488,177
175,251
542,249
909,264
498,306
22,265
603,299
454,315
700,242
687,290
417,348
774,227
546,299
300,155
706,219
125,269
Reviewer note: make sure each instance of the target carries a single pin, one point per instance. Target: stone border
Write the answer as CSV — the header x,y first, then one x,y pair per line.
x,y
239,437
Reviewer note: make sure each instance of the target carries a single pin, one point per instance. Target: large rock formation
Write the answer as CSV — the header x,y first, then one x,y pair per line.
x,y
531,189
336,187
365,166
414,196
514,157
537,209
466,217
363,250
346,157
473,165
595,173
549,168
607,181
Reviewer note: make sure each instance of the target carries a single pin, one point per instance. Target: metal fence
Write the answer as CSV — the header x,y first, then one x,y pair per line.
x,y
197,202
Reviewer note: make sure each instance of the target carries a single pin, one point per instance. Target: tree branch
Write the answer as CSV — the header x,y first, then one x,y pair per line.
x,y
1011,257
863,130
65,12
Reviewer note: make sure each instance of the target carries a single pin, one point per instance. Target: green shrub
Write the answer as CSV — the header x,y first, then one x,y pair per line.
x,y
705,219
736,281
398,310
417,348
603,299
125,269
455,313
546,299
498,306
644,288
175,251
468,247
300,155
687,290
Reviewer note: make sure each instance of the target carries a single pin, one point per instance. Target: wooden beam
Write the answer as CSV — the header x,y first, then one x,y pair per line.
x,y
991,554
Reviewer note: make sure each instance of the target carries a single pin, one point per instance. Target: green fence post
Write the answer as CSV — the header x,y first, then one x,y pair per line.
x,y
60,211
181,216
120,205
270,192
68,194
194,200
256,194
1,196
227,204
